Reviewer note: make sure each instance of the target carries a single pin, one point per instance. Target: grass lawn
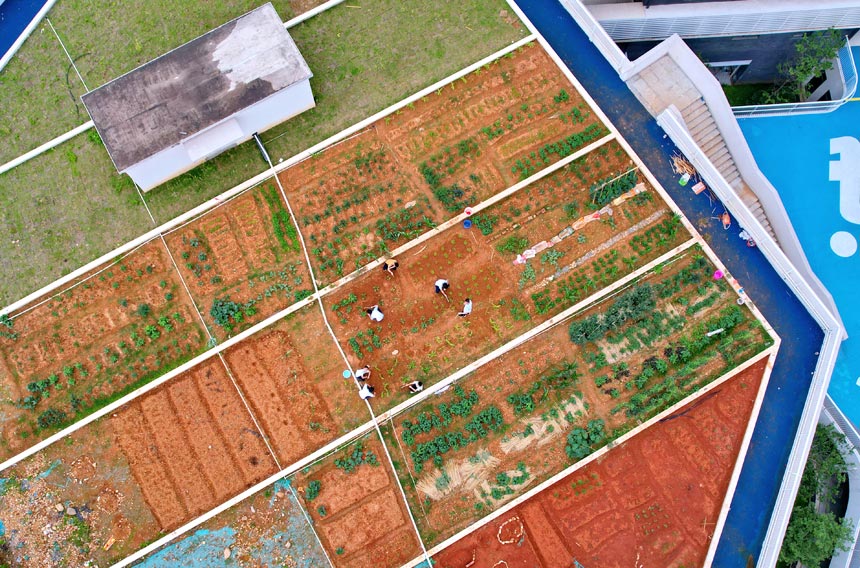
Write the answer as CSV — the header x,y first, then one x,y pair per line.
x,y
741,95
60,212
41,96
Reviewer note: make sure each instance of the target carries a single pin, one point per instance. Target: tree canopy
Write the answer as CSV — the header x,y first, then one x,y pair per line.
x,y
813,536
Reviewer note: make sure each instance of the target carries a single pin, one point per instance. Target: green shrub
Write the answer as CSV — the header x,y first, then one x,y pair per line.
x,y
513,244
51,418
312,491
143,310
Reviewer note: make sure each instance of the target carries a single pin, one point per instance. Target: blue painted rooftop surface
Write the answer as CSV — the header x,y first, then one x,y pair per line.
x,y
794,152
15,15
789,383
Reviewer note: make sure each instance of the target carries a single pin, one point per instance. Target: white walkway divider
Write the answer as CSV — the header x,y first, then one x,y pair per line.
x,y
45,147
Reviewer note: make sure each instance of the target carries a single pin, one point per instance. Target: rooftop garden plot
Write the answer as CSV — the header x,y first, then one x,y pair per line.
x,y
356,508
242,261
127,478
267,529
653,500
426,163
291,376
551,402
65,355
596,239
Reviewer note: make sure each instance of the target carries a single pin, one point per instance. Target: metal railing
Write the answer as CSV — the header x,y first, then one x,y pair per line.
x,y
848,74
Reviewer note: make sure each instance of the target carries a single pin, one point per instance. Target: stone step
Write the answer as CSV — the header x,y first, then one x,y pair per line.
x,y
705,139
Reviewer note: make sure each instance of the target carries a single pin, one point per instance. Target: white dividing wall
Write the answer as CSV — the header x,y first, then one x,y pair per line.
x,y
273,110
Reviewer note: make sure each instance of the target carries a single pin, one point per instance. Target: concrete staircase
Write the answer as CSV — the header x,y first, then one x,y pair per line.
x,y
664,83
704,130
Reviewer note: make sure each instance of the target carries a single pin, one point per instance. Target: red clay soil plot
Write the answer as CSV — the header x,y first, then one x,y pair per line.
x,y
357,509
242,261
267,529
291,375
653,501
421,337
127,478
61,357
545,405
422,165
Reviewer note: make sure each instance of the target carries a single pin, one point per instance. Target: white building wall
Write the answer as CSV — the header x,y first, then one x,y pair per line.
x,y
631,21
259,117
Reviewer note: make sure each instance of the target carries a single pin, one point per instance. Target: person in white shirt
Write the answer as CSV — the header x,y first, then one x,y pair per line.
x,y
374,312
363,374
467,308
366,391
415,387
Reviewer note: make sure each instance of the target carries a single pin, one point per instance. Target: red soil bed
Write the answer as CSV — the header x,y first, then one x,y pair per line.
x,y
367,195
365,521
652,501
191,444
235,252
291,374
89,342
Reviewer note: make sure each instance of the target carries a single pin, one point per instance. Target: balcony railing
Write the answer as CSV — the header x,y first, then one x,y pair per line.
x,y
847,72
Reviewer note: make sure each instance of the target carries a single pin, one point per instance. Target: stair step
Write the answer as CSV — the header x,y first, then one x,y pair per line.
x,y
723,160
703,128
713,145
700,118
694,111
705,138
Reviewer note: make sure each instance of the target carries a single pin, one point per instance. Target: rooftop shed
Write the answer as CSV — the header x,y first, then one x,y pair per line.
x,y
202,98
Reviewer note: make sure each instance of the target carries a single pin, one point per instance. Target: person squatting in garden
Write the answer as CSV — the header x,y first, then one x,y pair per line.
x,y
363,374
415,387
467,308
374,312
390,266
366,391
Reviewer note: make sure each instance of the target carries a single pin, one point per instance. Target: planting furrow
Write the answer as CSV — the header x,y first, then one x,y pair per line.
x,y
172,443
250,232
225,248
261,390
149,468
235,423
219,464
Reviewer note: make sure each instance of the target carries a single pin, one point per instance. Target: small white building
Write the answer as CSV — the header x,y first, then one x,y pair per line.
x,y
202,98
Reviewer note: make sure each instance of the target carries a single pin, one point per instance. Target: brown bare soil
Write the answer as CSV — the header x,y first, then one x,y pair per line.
x,y
360,517
89,343
371,193
291,374
421,337
652,501
246,251
465,484
192,444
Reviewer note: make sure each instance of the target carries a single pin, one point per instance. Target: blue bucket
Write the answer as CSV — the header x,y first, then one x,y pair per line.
x,y
467,223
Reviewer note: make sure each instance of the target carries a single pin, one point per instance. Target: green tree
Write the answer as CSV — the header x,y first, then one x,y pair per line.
x,y
814,54
813,536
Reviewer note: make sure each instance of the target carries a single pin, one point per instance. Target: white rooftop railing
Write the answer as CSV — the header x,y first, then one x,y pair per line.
x,y
848,74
